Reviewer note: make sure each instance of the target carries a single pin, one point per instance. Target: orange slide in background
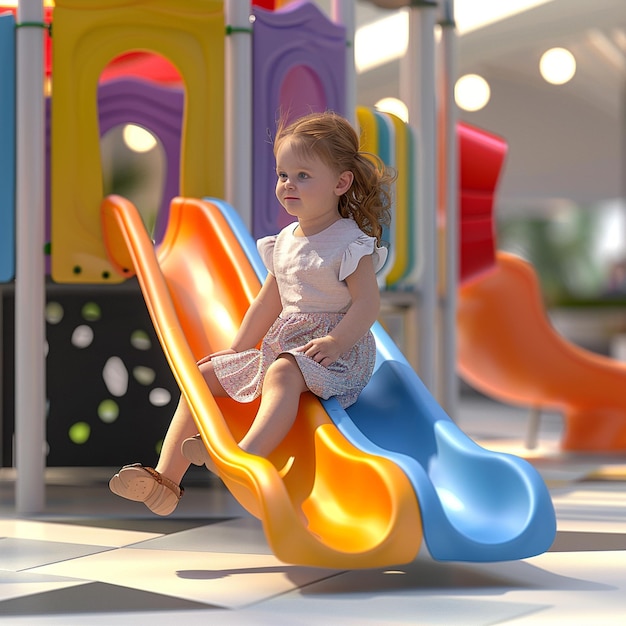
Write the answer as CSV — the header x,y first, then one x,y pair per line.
x,y
508,349
322,501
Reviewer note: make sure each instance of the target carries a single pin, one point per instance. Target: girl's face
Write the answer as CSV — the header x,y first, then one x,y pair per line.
x,y
308,188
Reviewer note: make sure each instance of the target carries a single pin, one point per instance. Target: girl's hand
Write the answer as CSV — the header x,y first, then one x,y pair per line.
x,y
323,350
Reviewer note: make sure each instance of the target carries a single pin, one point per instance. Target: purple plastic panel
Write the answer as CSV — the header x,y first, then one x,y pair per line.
x,y
160,110
299,67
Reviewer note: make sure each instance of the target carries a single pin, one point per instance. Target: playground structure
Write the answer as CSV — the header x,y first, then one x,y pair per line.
x,y
507,347
369,493
345,470
504,333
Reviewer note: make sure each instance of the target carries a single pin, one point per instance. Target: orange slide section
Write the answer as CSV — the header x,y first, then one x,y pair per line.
x,y
322,501
509,350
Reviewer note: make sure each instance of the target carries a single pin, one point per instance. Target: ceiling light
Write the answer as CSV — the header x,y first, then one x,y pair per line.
x,y
470,15
386,39
394,106
557,66
472,92
619,37
138,139
381,41
607,49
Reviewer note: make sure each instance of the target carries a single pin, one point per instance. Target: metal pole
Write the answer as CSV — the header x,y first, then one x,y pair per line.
x,y
238,108
344,13
418,90
448,384
30,383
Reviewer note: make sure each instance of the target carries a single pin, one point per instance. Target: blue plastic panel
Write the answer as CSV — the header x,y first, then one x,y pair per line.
x,y
7,147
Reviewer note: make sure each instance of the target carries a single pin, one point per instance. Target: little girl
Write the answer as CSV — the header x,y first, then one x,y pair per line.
x,y
313,313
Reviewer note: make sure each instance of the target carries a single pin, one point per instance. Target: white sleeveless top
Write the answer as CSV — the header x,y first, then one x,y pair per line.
x,y
311,271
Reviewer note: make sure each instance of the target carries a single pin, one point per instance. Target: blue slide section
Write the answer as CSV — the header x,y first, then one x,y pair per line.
x,y
476,505
7,147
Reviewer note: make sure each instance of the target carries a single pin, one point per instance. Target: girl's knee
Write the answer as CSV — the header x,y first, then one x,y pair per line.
x,y
208,373
206,369
286,368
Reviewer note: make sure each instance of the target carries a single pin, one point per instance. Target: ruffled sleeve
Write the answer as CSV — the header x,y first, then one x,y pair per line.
x,y
265,246
359,248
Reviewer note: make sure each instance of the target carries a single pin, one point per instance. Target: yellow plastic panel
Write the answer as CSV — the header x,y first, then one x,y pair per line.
x,y
88,34
369,132
322,501
401,236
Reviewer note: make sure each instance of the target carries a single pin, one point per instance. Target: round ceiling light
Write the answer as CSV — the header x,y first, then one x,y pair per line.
x,y
394,106
138,139
557,66
472,92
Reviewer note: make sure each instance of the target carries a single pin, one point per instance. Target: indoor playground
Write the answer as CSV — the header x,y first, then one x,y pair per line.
x,y
480,476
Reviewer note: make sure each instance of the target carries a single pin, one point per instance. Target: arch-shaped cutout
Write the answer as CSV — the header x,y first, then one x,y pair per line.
x,y
156,178
135,173
89,34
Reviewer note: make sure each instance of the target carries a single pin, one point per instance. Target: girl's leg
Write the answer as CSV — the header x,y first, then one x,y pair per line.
x,y
282,388
172,463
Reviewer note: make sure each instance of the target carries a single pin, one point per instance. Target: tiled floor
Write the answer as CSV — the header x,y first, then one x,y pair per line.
x,y
93,558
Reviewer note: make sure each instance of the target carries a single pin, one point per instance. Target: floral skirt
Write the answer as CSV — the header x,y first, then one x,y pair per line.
x,y
242,374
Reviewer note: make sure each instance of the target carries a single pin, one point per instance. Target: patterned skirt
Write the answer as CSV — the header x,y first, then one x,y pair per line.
x,y
241,374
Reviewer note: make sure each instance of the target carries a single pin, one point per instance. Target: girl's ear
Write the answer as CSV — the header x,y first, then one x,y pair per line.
x,y
344,182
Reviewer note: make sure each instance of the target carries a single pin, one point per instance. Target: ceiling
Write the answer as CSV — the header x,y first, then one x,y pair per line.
x,y
595,32
567,142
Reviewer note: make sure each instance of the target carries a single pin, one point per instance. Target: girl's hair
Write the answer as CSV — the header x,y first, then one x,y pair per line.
x,y
332,139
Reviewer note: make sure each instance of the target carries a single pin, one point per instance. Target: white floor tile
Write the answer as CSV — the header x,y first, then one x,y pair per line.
x,y
50,531
94,560
228,580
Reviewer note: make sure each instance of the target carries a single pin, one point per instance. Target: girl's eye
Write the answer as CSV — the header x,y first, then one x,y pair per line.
x,y
303,175
282,176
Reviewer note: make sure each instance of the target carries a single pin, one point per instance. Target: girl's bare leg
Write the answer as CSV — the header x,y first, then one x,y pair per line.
x,y
171,462
282,388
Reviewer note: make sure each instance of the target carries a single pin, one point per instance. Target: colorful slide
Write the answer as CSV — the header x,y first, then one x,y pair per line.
x,y
322,501
509,350
476,505
344,489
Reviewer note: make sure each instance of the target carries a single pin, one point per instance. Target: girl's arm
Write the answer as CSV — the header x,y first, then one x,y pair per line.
x,y
259,317
356,322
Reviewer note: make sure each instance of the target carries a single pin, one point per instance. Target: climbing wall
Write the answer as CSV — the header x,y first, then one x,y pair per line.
x,y
110,392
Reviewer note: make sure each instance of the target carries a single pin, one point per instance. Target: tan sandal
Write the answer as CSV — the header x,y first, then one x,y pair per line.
x,y
144,484
194,451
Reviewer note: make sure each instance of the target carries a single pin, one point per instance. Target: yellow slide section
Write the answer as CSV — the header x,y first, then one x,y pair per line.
x,y
509,350
322,501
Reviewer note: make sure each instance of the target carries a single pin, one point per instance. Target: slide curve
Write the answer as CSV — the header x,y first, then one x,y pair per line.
x,y
509,350
322,501
476,505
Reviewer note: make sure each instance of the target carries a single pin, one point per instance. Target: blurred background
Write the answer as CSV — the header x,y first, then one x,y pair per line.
x,y
549,76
